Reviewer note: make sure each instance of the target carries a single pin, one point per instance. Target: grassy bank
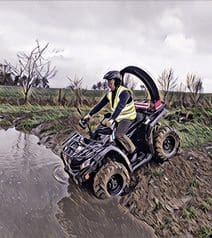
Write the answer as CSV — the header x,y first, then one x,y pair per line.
x,y
30,116
194,126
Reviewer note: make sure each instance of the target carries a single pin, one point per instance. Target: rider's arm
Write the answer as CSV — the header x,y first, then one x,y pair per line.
x,y
99,106
124,97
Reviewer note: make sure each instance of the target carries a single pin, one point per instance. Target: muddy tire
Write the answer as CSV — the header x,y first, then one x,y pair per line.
x,y
110,180
167,143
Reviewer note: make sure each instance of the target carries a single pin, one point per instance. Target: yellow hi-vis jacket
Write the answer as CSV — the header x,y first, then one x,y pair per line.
x,y
128,112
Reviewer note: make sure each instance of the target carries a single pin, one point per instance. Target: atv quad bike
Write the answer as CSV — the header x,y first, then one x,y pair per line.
x,y
105,160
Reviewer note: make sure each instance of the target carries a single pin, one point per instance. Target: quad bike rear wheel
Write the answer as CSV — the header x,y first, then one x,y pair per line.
x,y
167,142
111,180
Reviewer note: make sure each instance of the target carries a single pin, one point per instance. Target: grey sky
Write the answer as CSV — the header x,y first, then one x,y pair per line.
x,y
91,37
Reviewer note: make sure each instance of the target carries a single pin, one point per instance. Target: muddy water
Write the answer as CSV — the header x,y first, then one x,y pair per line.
x,y
37,200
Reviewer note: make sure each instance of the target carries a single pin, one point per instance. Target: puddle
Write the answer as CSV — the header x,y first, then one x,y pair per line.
x,y
37,198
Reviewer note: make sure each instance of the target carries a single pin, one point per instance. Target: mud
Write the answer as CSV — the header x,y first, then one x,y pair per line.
x,y
174,198
82,215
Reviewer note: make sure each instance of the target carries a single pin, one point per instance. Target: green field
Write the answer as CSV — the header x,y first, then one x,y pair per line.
x,y
194,124
52,94
12,94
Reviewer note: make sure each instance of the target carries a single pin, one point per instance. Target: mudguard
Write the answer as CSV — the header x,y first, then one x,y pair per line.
x,y
123,158
145,78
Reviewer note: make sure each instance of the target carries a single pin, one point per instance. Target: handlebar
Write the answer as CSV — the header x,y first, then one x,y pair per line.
x,y
83,123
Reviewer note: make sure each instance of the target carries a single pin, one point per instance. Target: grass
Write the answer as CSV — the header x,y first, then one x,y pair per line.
x,y
157,172
193,185
195,132
189,213
35,115
52,94
209,201
5,123
9,91
48,112
14,92
206,205
205,232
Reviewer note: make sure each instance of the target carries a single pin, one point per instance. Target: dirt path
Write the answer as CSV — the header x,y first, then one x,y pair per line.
x,y
175,198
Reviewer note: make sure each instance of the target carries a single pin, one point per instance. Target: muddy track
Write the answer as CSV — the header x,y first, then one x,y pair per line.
x,y
174,198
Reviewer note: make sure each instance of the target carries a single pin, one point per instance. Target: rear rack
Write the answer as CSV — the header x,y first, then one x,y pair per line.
x,y
148,105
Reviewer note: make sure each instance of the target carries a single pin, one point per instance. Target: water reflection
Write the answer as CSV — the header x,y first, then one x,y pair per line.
x,y
82,215
35,200
28,192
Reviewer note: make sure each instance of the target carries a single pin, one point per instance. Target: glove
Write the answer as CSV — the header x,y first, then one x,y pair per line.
x,y
87,117
108,123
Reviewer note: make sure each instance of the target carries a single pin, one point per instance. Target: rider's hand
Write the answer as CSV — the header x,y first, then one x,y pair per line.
x,y
108,123
87,117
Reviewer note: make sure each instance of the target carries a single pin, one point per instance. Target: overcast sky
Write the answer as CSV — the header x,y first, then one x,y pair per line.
x,y
88,38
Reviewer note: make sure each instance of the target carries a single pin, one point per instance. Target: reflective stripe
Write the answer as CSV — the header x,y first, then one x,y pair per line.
x,y
128,112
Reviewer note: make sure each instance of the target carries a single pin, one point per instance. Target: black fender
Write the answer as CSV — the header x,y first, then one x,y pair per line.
x,y
150,136
145,78
122,157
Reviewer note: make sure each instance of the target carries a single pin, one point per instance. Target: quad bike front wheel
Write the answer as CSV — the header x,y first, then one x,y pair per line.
x,y
167,142
110,180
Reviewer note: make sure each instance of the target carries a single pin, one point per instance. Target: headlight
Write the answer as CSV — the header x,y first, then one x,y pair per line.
x,y
85,164
79,148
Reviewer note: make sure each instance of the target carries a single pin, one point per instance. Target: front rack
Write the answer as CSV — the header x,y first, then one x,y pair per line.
x,y
81,148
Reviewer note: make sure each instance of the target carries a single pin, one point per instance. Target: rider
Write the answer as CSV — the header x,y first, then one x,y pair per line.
x,y
122,106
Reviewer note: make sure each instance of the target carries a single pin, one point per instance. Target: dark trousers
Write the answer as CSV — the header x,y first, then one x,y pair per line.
x,y
121,136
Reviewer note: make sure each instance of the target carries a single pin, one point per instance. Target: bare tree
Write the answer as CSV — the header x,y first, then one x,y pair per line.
x,y
129,82
194,85
5,75
180,96
33,69
94,87
144,91
99,85
104,85
76,88
167,82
